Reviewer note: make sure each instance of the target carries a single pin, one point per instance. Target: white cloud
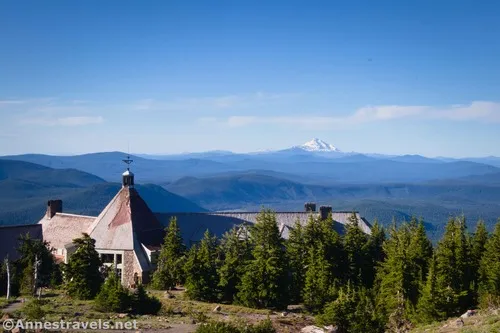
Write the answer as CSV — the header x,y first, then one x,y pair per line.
x,y
475,111
214,103
65,121
8,102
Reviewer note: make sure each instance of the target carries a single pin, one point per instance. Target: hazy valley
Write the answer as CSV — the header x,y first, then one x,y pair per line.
x,y
382,187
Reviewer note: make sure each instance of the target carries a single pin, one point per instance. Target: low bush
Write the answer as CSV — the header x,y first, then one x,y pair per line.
x,y
33,310
142,303
223,327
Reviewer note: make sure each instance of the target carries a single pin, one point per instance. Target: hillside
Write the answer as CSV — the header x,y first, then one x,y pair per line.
x,y
26,187
433,201
109,166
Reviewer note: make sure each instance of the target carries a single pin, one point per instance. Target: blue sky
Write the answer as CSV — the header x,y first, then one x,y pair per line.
x,y
416,77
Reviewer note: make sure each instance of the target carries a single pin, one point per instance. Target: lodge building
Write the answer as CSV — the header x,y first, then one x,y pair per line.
x,y
128,235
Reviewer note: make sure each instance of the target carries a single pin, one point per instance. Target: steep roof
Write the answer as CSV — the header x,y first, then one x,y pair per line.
x,y
193,225
125,223
9,236
62,228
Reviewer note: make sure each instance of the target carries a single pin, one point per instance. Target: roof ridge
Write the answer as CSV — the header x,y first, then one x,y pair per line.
x,y
76,215
255,212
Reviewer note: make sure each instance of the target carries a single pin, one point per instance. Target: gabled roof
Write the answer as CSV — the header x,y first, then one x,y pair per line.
x,y
62,228
193,225
125,223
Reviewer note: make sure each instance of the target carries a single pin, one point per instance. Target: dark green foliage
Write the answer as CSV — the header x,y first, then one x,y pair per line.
x,y
82,274
430,304
264,284
201,270
236,252
33,310
320,283
32,251
407,255
419,252
296,252
490,271
142,303
325,263
453,267
353,312
359,264
478,247
112,296
264,326
376,253
169,269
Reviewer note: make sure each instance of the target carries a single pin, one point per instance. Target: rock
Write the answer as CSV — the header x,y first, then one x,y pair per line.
x,y
168,294
5,317
17,330
284,314
459,322
122,315
331,329
217,308
468,314
312,329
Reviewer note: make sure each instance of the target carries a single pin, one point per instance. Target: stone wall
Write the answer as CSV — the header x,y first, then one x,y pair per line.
x,y
129,268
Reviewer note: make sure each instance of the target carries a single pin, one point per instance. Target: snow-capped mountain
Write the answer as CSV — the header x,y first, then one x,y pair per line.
x,y
318,145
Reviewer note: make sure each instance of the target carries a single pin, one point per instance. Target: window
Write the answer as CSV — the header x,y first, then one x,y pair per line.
x,y
119,259
154,257
119,274
108,258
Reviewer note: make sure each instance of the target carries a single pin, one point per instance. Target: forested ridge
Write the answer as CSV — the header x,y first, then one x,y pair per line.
x,y
390,280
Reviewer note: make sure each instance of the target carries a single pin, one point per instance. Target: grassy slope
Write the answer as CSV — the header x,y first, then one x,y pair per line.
x,y
483,322
178,312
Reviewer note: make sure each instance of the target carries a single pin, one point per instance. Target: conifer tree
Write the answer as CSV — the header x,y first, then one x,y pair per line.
x,y
376,252
264,283
169,269
453,267
296,251
142,303
32,251
326,263
402,273
430,305
352,311
391,276
201,270
83,278
418,254
235,250
357,253
320,285
490,271
112,296
478,247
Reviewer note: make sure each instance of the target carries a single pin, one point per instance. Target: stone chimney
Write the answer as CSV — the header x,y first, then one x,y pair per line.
x,y
310,207
53,207
324,211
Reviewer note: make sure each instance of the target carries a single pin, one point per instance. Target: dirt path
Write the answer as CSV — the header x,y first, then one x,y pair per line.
x,y
12,307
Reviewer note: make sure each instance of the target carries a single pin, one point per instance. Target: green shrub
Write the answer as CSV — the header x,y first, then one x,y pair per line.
x,y
33,310
223,327
113,297
142,303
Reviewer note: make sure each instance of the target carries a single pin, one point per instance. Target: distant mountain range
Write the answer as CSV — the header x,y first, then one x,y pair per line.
x,y
25,189
379,186
315,159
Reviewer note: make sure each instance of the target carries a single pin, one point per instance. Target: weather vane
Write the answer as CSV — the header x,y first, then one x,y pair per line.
x,y
128,161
